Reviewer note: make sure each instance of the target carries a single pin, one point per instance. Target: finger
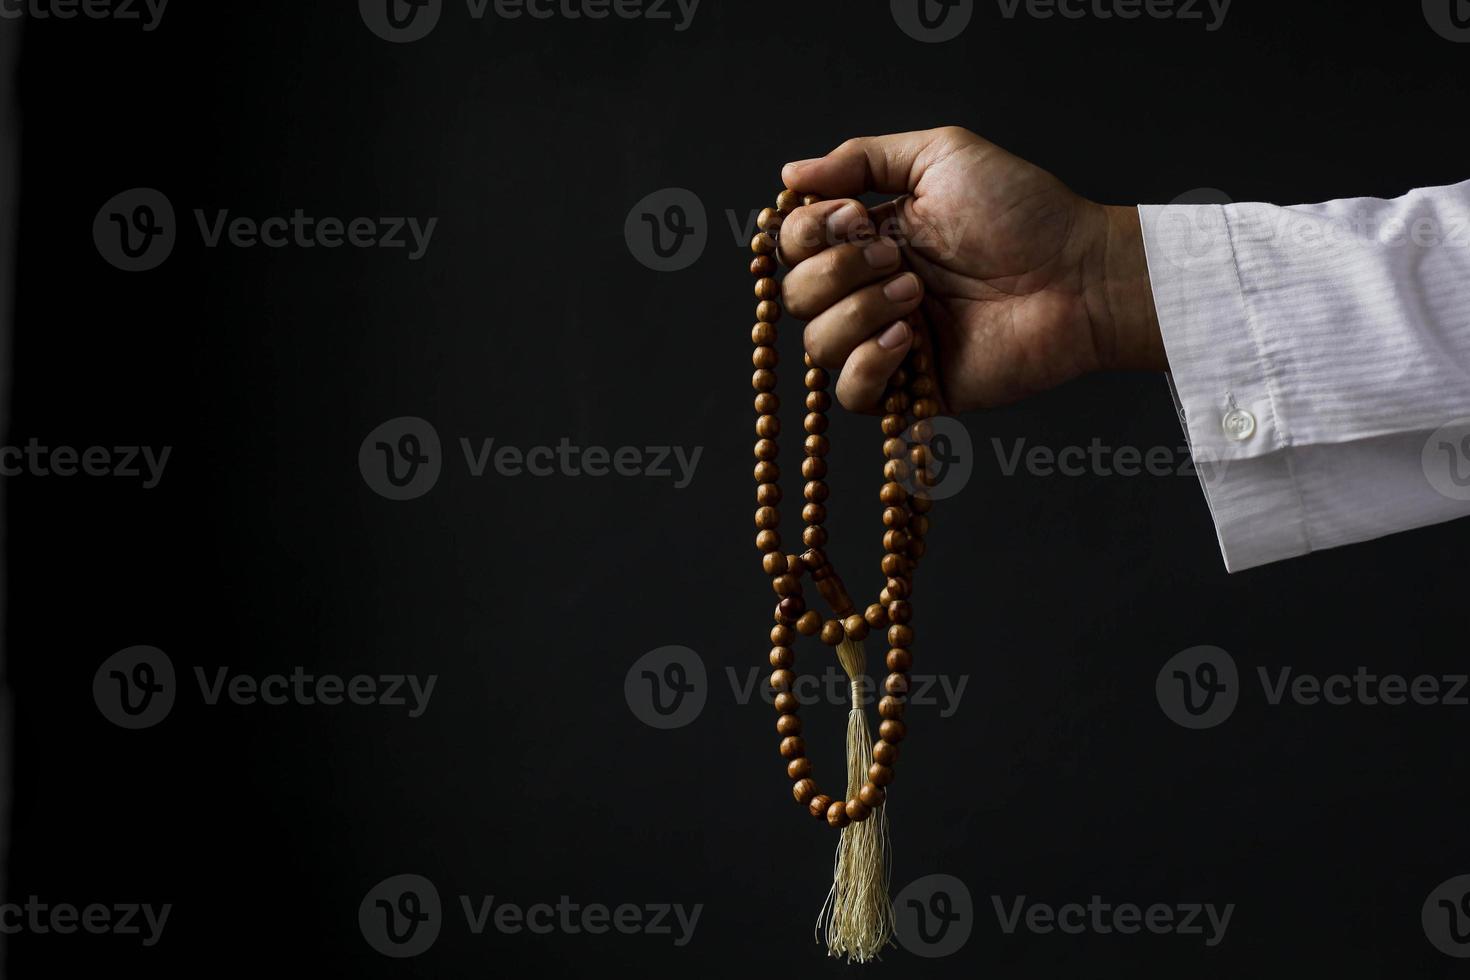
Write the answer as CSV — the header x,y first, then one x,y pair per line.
x,y
865,375
838,330
831,274
890,164
808,230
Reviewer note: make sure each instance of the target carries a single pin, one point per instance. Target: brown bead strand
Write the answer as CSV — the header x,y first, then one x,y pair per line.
x,y
910,394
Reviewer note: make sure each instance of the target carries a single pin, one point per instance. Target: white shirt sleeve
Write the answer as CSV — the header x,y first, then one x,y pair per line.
x,y
1319,357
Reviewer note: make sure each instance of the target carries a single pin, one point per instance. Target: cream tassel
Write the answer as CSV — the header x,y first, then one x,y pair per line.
x,y
858,914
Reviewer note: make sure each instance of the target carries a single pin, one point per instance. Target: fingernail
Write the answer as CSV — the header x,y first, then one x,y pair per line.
x,y
845,221
902,289
895,336
881,254
797,163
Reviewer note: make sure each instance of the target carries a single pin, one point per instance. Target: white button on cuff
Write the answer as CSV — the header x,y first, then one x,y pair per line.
x,y
1239,424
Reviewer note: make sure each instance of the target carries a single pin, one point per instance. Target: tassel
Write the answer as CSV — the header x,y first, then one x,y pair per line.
x,y
857,916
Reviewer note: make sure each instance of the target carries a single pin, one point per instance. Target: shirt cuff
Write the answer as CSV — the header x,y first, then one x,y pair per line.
x,y
1224,385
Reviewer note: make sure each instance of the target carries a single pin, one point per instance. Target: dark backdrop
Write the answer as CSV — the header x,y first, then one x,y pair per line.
x,y
530,319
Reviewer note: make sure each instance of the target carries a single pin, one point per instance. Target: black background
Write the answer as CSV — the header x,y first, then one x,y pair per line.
x,y
529,320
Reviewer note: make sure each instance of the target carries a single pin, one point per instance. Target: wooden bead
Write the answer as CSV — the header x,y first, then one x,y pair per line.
x,y
816,379
879,774
926,408
792,607
895,404
768,310
871,795
767,540
855,626
897,587
818,401
810,199
813,467
768,220
892,425
895,517
782,636
858,811
896,470
766,471
899,660
819,805
920,362
896,684
764,357
799,768
804,790
901,611
899,634
762,265
781,680
885,752
814,514
793,746
894,448
764,379
782,657
814,559
916,548
768,495
767,517
921,431
786,585
763,244
895,565
814,537
922,386
892,731
918,456
763,335
795,566
876,616
785,703
895,540
885,599
921,504
806,360
892,494
767,403
773,563
815,491
816,445
837,814
787,201
815,422
809,623
832,633
889,707
918,525
767,449
787,724
767,288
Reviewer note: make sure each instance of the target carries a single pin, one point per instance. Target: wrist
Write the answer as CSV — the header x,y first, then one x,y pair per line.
x,y
1125,299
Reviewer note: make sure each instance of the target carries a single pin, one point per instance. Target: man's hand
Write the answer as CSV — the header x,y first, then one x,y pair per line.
x,y
1025,284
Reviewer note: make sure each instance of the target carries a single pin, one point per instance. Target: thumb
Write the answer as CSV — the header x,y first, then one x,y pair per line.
x,y
888,164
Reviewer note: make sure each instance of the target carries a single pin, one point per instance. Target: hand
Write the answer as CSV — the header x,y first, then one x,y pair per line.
x,y
1024,284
